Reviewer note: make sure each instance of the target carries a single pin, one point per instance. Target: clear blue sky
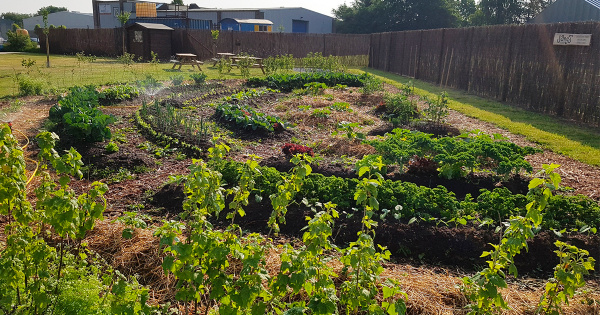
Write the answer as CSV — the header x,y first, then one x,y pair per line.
x,y
321,6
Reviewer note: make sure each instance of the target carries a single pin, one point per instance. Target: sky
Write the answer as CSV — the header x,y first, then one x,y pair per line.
x,y
85,6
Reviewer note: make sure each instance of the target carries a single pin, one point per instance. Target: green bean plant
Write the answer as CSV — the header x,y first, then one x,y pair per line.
x,y
287,189
37,277
483,288
361,260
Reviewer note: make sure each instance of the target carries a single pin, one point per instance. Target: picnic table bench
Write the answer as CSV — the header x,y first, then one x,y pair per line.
x,y
256,62
186,59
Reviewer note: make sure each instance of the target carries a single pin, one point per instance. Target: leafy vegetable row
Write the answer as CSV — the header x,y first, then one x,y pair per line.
x,y
427,203
456,156
289,82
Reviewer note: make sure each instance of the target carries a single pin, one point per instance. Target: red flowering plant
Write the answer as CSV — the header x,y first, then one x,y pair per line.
x,y
293,149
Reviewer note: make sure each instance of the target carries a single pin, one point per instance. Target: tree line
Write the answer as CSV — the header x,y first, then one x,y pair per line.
x,y
375,16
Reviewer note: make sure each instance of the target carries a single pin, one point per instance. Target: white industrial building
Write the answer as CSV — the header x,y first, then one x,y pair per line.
x,y
70,19
288,20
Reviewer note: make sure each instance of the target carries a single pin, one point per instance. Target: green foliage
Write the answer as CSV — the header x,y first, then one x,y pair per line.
x,y
316,62
482,288
278,64
315,88
423,202
371,85
177,80
437,110
150,118
287,189
456,155
341,107
568,278
214,34
132,221
35,277
244,64
348,128
399,109
199,78
116,94
17,18
320,113
126,59
82,58
289,82
77,115
29,85
246,117
224,65
111,147
18,42
366,17
50,9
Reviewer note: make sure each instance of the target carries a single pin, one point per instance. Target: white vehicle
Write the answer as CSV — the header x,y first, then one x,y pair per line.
x,y
2,40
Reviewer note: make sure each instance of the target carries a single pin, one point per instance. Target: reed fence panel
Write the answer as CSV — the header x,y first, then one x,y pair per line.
x,y
517,64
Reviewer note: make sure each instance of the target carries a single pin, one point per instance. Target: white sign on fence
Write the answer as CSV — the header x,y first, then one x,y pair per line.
x,y
565,39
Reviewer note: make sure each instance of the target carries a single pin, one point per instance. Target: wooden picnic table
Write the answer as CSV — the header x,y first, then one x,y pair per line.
x,y
256,62
186,59
221,56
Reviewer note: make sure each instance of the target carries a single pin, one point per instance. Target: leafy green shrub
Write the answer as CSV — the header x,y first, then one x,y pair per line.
x,y
19,42
315,88
320,113
199,78
280,63
30,86
246,117
77,115
177,80
37,277
456,155
399,109
117,94
341,107
289,82
438,109
371,85
111,147
418,201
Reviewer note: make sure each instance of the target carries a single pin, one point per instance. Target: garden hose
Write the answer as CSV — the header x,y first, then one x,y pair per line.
x,y
37,165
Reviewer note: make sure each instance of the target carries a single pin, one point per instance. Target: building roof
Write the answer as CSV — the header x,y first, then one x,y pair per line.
x,y
252,21
153,26
595,3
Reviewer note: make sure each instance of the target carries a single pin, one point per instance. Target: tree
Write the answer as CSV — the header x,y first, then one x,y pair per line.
x,y
372,16
46,32
179,2
123,18
50,9
493,12
17,18
18,42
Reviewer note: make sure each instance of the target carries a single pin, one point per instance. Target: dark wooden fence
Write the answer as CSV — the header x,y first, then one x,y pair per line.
x,y
515,64
98,42
108,42
269,44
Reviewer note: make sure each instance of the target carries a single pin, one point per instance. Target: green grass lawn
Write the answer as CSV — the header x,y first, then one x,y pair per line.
x,y
565,137
66,71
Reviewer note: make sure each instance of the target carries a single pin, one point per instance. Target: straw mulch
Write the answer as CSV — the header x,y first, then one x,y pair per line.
x,y
430,290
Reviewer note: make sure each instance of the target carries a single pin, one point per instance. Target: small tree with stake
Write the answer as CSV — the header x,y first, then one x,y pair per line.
x,y
46,32
123,18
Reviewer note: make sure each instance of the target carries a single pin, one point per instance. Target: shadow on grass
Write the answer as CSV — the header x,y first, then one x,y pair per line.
x,y
572,130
